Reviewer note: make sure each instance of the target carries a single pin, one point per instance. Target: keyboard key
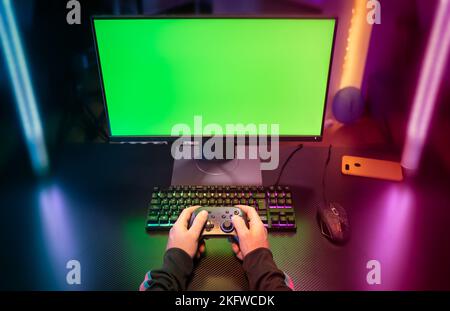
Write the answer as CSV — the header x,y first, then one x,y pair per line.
x,y
261,204
262,212
259,195
153,213
152,219
155,207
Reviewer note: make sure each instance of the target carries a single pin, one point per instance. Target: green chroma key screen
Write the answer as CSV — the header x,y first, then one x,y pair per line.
x,y
161,72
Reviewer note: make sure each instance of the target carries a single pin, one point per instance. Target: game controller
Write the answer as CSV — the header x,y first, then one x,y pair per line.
x,y
219,222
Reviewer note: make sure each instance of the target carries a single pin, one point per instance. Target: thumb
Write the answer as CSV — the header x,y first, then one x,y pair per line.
x,y
239,225
199,223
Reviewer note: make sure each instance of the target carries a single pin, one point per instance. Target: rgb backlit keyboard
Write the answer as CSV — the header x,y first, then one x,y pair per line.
x,y
274,204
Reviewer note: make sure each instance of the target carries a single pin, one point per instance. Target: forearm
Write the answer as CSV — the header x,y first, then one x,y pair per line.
x,y
262,272
174,274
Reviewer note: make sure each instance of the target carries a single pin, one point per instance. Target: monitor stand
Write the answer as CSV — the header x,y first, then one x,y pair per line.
x,y
217,172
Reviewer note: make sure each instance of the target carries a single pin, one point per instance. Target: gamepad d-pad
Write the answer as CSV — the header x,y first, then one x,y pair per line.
x,y
219,222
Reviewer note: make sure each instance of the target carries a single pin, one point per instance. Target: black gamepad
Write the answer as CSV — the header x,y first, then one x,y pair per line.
x,y
219,220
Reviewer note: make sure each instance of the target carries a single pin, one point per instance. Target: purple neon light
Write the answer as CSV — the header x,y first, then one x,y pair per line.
x,y
393,233
57,233
428,86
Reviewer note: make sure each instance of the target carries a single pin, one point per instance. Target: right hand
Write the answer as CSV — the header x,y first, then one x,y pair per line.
x,y
249,238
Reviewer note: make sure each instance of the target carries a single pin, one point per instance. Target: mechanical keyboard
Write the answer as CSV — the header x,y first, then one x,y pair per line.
x,y
274,204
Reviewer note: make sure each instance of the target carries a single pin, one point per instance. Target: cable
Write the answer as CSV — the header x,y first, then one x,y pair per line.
x,y
299,147
327,161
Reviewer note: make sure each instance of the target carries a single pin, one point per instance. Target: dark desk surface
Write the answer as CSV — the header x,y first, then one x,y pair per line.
x,y
92,209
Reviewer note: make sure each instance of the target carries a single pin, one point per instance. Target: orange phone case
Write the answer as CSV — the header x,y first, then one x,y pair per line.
x,y
372,168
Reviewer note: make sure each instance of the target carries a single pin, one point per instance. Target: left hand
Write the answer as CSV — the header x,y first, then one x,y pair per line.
x,y
188,239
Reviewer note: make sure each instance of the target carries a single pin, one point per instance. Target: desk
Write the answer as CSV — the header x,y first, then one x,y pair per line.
x,y
92,209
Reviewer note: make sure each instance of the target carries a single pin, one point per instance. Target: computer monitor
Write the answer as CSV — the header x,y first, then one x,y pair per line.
x,y
161,72
157,72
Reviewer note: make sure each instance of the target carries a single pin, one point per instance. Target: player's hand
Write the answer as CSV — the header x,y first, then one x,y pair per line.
x,y
188,239
249,238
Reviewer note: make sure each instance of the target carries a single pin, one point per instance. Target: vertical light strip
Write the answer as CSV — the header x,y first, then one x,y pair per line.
x,y
428,86
20,78
357,45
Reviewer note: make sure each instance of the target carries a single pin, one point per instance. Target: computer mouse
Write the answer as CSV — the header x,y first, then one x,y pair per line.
x,y
333,222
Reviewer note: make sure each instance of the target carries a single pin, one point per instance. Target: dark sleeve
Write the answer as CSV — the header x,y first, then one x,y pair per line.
x,y
174,274
262,272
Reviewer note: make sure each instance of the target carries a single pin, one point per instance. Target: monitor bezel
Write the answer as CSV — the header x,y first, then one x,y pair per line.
x,y
161,138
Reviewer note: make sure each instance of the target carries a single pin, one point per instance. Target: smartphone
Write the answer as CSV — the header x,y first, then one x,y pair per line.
x,y
372,168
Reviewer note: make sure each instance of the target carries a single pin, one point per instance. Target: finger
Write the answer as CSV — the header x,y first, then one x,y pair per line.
x,y
199,223
239,225
251,213
202,248
185,216
237,250
235,247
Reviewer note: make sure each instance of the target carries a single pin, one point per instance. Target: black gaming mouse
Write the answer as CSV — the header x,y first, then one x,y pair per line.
x,y
333,222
